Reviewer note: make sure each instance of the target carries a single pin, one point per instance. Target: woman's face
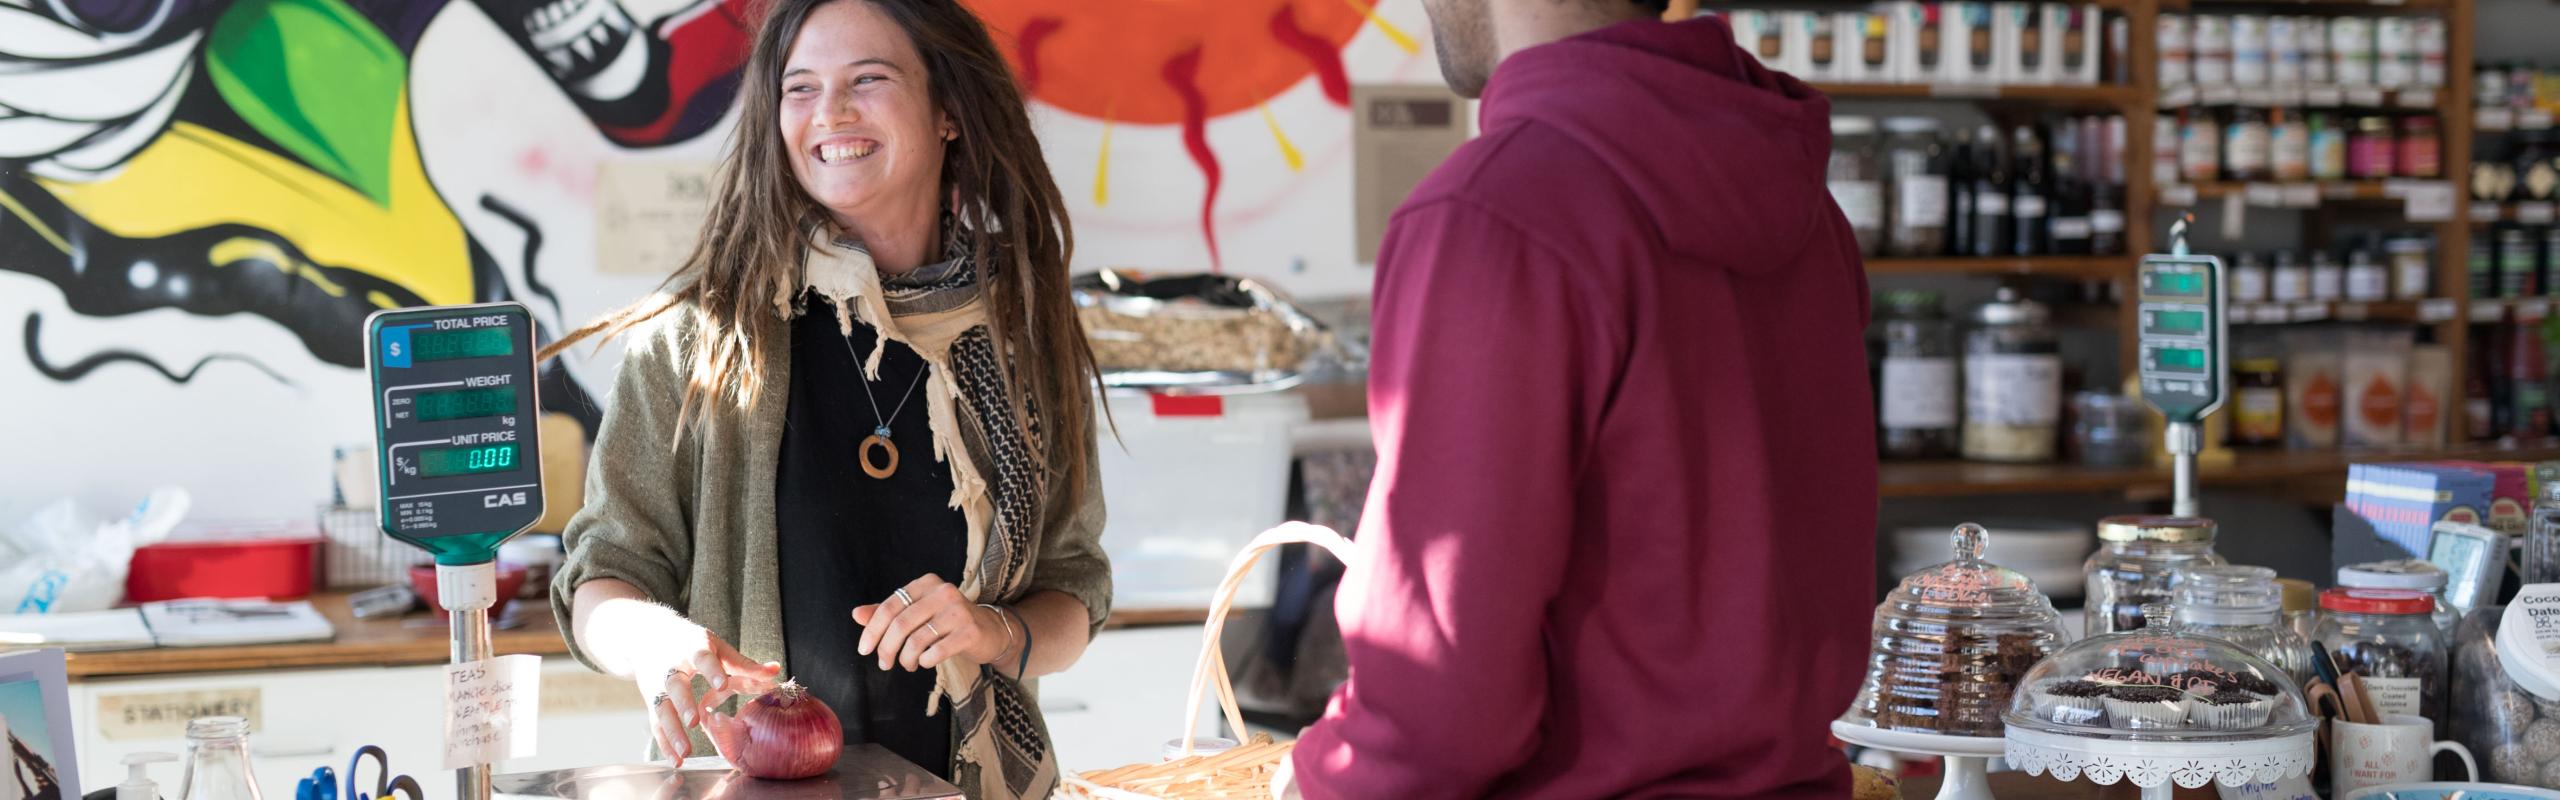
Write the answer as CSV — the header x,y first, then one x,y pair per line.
x,y
858,119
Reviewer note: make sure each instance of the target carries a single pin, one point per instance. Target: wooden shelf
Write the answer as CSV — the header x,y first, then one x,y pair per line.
x,y
2287,193
2432,311
2490,310
1970,479
2318,97
2530,213
2105,97
2342,6
2054,266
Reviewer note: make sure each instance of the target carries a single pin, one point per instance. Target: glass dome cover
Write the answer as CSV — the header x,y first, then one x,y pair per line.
x,y
2159,685
1951,643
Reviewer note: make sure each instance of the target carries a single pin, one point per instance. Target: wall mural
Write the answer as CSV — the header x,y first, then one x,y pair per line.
x,y
201,200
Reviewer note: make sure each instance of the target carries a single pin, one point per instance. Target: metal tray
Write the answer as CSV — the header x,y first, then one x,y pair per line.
x,y
863,772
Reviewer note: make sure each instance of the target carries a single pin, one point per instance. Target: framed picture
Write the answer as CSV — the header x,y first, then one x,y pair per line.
x,y
35,714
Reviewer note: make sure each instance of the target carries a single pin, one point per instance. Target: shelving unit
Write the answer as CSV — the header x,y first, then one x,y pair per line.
x,y
1974,478
2084,267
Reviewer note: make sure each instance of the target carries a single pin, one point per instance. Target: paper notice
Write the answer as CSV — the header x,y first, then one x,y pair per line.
x,y
648,214
490,708
1399,134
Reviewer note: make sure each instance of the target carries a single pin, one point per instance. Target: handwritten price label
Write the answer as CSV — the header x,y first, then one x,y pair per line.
x,y
489,710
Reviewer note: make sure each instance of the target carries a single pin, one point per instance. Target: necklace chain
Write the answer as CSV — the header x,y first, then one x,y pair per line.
x,y
883,429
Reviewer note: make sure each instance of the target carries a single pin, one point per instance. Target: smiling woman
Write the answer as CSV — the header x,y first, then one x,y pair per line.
x,y
885,227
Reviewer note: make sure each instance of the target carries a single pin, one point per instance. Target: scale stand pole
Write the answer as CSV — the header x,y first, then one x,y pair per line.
x,y
467,591
2183,443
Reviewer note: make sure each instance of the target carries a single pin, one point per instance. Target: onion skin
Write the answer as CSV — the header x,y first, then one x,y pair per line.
x,y
784,734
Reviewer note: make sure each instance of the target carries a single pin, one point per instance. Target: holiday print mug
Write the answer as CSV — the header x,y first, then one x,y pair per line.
x,y
2399,750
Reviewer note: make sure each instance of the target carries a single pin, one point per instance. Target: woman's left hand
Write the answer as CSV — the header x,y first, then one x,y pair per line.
x,y
931,624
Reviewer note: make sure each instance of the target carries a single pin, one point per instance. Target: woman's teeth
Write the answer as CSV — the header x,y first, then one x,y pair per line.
x,y
831,153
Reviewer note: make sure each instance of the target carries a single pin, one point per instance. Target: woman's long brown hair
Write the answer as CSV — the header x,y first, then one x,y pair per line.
x,y
756,236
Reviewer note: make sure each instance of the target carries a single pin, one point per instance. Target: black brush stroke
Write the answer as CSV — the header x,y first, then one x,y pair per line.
x,y
532,250
81,368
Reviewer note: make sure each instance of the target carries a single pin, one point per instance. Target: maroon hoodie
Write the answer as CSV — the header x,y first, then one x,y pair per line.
x,y
1620,541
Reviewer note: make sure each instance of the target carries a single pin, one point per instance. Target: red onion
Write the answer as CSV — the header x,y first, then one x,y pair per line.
x,y
784,734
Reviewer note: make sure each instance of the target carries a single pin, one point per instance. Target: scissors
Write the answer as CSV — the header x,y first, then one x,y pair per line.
x,y
384,782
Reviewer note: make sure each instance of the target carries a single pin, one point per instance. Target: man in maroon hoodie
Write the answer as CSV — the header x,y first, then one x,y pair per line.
x,y
1620,540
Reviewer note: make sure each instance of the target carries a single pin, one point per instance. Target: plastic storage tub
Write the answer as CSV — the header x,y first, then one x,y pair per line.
x,y
1189,483
278,562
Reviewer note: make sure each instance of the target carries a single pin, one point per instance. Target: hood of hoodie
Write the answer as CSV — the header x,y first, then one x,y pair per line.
x,y
1726,156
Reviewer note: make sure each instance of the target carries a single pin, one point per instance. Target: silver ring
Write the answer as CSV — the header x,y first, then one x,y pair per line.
x,y
674,672
937,632
660,700
903,598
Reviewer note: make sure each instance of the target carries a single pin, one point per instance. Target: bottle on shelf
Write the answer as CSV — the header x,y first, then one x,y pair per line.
x,y
2246,145
2199,146
1916,394
1960,193
2106,196
2290,157
2526,374
2367,280
2478,404
2069,195
2328,279
1991,186
2328,148
1916,176
2029,199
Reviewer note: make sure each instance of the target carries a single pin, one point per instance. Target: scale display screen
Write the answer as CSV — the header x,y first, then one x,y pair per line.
x,y
450,461
2178,358
465,403
2177,321
2174,283
430,345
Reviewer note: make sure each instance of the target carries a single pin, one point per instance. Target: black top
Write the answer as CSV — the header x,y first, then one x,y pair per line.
x,y
849,539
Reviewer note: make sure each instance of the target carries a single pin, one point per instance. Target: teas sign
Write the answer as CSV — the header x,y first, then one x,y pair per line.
x,y
490,710
160,716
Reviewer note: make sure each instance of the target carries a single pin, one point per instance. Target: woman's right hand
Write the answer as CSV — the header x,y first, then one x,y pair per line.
x,y
666,681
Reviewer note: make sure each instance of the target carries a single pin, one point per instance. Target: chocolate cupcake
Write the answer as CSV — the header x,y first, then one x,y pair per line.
x,y
2253,684
2146,707
2230,710
2071,702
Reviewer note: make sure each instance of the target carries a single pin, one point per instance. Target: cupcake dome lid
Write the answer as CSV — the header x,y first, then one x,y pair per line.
x,y
1968,587
2142,668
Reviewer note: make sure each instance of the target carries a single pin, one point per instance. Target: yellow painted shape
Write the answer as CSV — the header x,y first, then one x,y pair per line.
x,y
1102,169
20,211
192,177
229,252
1393,34
1288,152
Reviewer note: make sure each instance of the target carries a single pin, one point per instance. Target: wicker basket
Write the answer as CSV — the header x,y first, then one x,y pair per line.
x,y
1244,772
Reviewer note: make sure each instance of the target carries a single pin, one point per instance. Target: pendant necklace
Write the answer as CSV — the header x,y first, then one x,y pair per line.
x,y
880,435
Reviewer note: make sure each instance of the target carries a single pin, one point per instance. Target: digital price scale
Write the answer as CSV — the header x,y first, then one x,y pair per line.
x,y
2185,351
455,410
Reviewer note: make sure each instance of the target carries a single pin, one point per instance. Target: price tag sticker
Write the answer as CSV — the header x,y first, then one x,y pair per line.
x,y
2323,96
2429,201
2538,213
2342,191
2532,308
2179,96
2178,194
2353,312
2265,195
2257,96
2273,314
2487,311
1976,91
2289,95
2302,195
2493,119
2533,119
490,710
2308,312
2436,310
2365,96
2484,212
2220,95
2418,98
2397,189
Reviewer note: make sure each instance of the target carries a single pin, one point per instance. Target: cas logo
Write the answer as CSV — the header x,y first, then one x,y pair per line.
x,y
502,500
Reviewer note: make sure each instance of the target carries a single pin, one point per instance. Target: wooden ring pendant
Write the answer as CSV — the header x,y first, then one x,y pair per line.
x,y
876,440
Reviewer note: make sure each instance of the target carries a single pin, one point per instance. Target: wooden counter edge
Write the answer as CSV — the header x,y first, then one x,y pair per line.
x,y
393,643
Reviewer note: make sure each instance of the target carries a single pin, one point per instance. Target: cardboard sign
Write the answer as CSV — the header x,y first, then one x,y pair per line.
x,y
648,214
1399,134
490,710
159,716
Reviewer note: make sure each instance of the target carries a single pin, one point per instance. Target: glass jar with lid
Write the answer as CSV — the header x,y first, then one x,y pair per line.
x,y
1951,643
2408,574
2390,638
1916,395
2137,559
2421,149
2012,382
2242,605
1856,178
1916,169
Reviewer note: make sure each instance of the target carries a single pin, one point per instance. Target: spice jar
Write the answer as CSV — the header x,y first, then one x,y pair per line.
x,y
2328,281
2199,146
1916,169
2257,402
2409,574
2242,605
2176,61
2135,563
2284,51
1951,643
2419,148
2292,282
1856,178
2351,51
2314,34
1915,347
2248,49
2246,143
2248,279
2291,153
2370,148
2211,43
2428,33
2012,381
2328,148
2367,281
2390,638
2412,275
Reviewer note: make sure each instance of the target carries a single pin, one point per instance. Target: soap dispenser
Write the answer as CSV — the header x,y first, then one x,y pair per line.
x,y
137,783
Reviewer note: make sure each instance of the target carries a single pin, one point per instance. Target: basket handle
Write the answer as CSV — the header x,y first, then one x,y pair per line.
x,y
1212,667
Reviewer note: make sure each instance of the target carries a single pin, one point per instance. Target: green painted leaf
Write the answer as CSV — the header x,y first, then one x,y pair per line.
x,y
316,77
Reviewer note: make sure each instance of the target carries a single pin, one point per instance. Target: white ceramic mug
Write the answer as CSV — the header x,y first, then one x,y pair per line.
x,y
2400,750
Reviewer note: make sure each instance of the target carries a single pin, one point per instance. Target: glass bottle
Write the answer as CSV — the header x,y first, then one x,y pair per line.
x,y
2138,557
2012,382
2244,606
1916,392
218,761
1990,194
1916,172
1855,176
2028,204
2390,638
2106,197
